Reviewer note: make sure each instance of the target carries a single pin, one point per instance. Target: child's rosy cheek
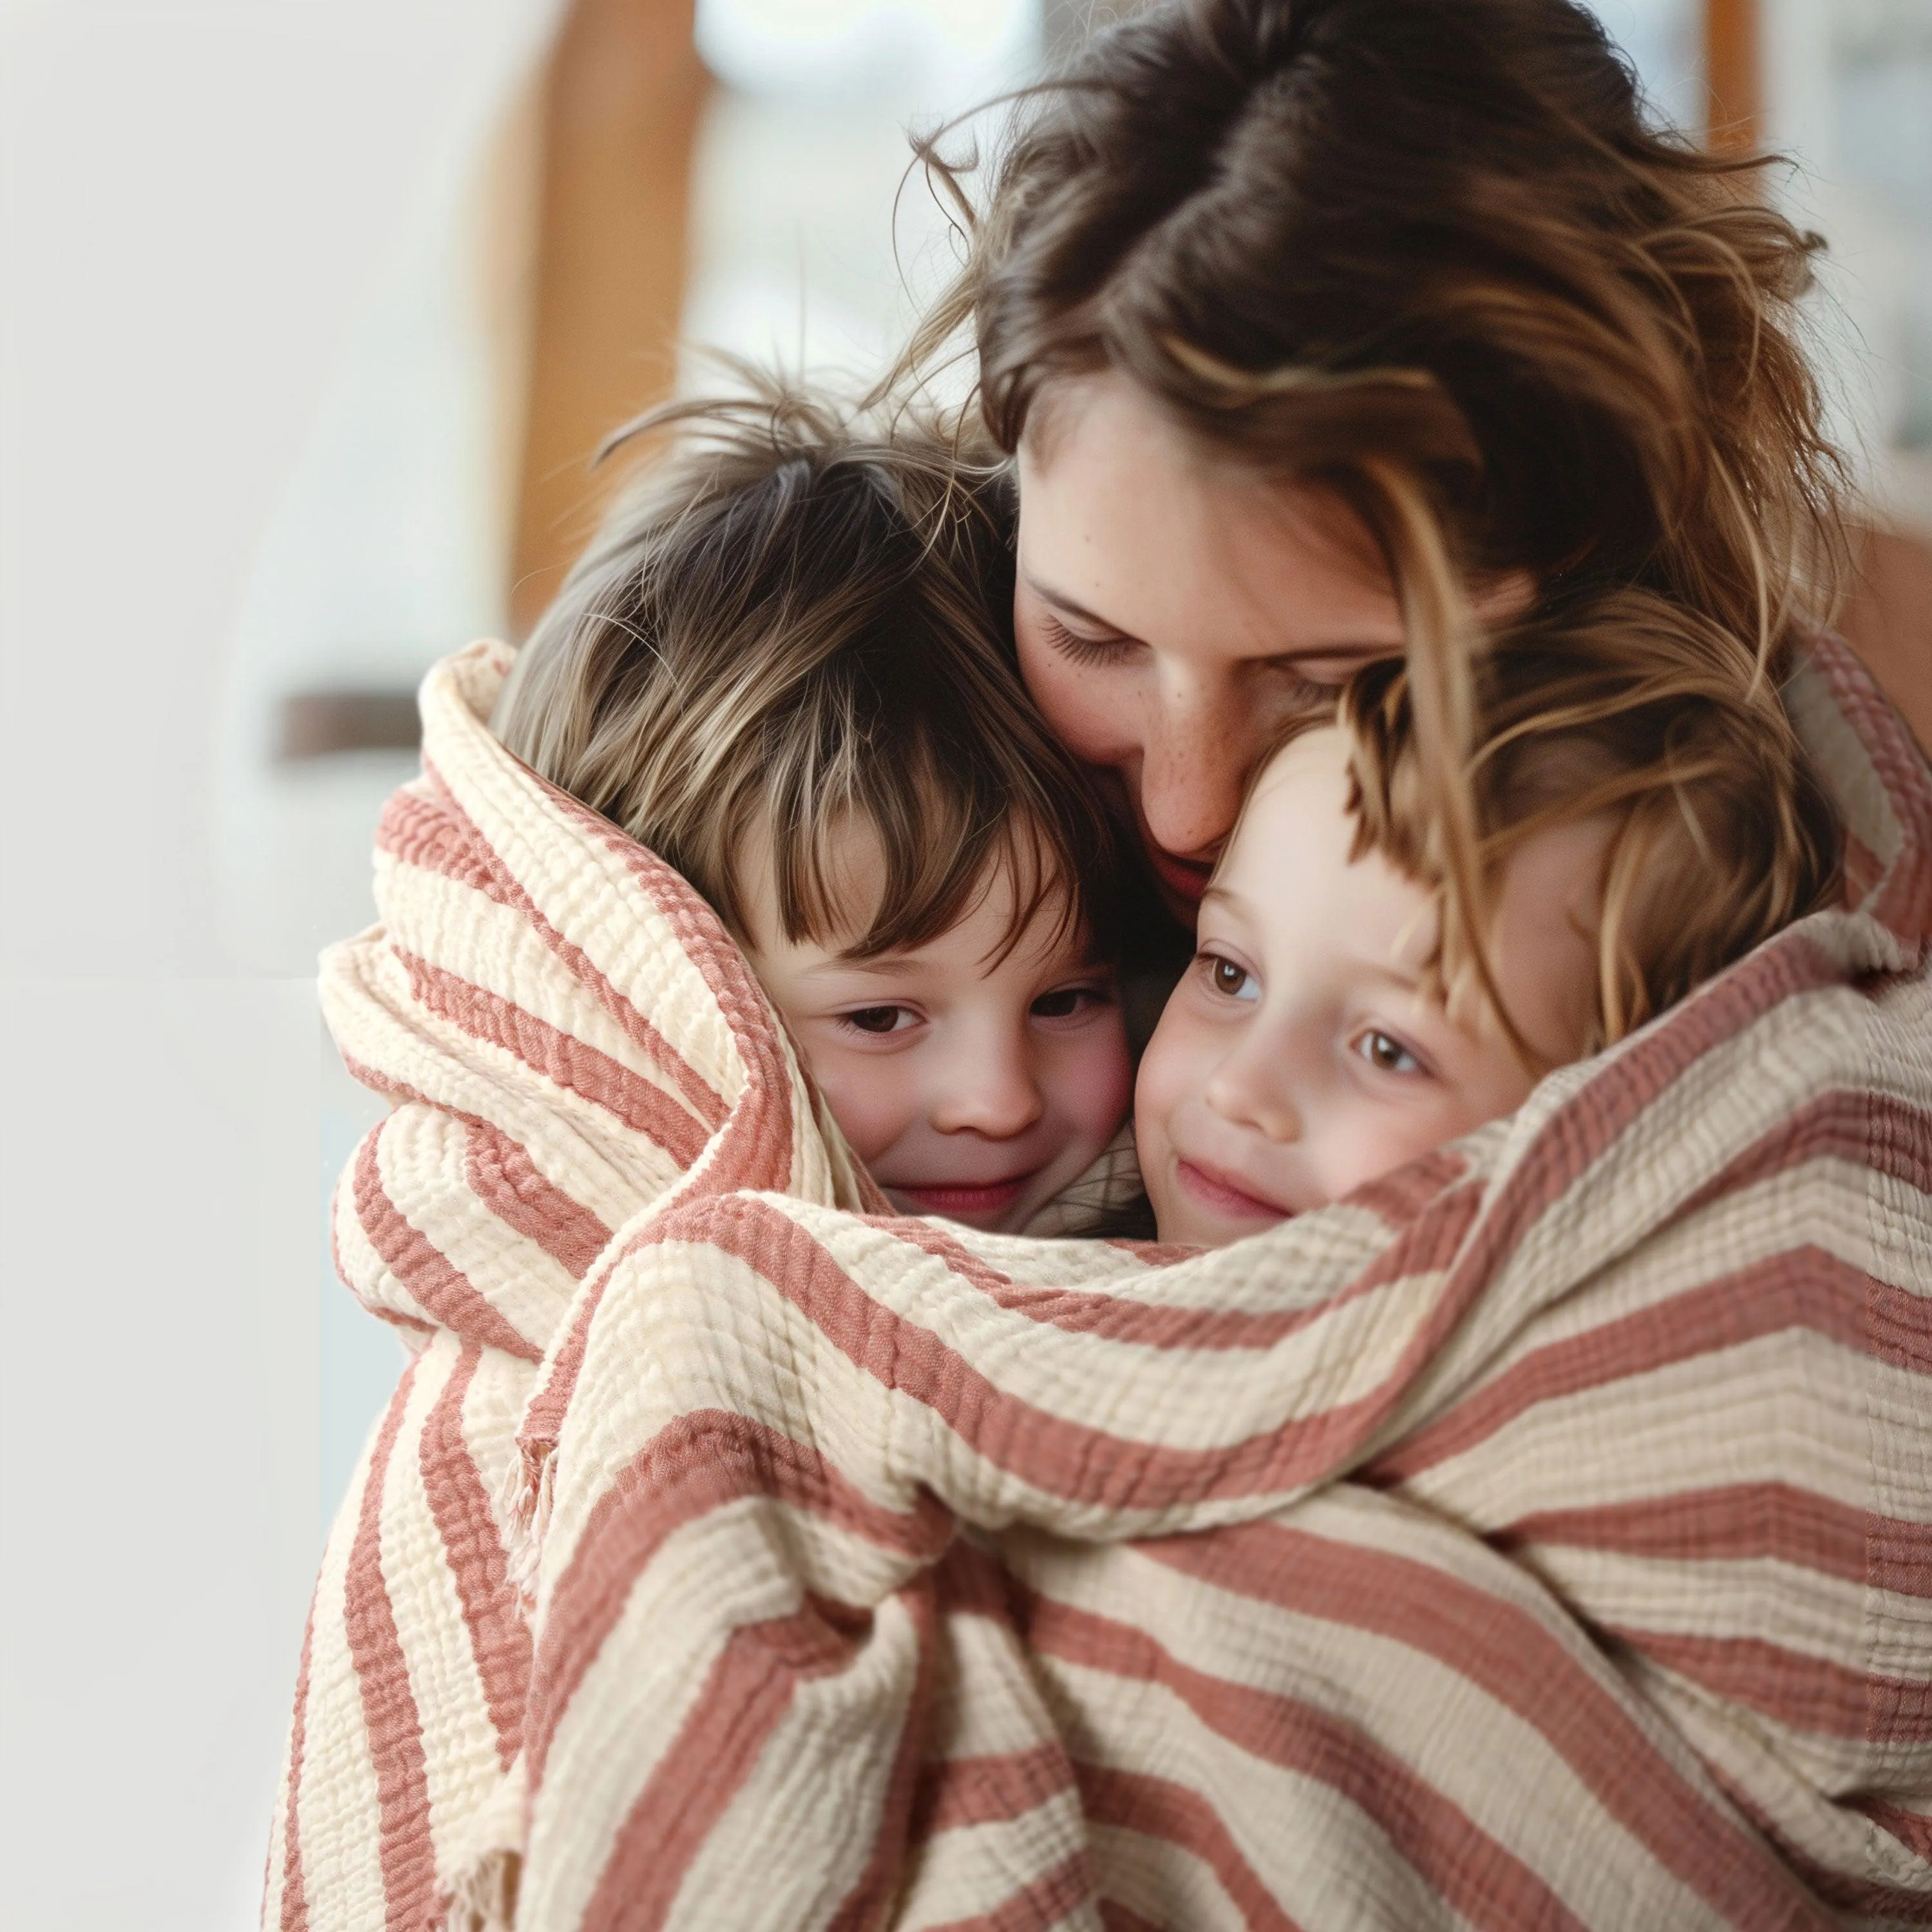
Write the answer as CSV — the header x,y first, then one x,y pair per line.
x,y
1097,1080
873,1097
1168,1068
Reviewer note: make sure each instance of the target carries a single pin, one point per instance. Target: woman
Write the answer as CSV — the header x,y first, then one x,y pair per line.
x,y
1328,330
1563,1557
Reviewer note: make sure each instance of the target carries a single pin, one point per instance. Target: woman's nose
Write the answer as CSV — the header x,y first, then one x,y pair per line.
x,y
1252,1087
1195,754
987,1086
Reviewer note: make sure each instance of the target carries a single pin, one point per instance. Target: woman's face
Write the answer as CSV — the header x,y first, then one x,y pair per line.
x,y
1172,607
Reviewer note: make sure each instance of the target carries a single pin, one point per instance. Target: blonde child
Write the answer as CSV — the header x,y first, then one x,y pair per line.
x,y
1643,818
786,668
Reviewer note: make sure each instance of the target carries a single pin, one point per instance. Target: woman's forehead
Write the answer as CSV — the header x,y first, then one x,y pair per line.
x,y
1202,572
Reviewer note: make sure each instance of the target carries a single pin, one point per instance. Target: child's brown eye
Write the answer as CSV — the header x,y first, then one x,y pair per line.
x,y
1387,1053
1063,1002
1231,981
876,1019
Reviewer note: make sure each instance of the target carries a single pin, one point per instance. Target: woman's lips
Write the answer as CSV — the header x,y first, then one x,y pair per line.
x,y
1186,878
1219,1191
987,1197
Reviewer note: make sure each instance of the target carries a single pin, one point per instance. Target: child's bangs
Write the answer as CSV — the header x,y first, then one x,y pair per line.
x,y
933,863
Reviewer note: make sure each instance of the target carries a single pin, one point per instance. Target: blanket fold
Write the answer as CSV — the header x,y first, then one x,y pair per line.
x,y
1541,1538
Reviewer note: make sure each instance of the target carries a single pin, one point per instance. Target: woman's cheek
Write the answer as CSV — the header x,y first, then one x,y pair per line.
x,y
1090,712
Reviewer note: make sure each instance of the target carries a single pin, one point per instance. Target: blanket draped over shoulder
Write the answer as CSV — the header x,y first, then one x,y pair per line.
x,y
1543,1537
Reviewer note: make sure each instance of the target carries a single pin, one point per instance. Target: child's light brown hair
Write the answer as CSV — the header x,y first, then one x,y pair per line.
x,y
794,627
1624,708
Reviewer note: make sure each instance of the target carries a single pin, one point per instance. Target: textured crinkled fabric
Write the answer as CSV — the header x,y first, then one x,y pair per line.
x,y
1541,1538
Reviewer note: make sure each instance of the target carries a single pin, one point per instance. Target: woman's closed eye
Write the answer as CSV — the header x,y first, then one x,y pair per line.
x,y
1386,1054
1301,691
1098,651
1227,977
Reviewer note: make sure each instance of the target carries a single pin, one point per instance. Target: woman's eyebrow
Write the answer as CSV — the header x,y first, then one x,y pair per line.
x,y
1071,607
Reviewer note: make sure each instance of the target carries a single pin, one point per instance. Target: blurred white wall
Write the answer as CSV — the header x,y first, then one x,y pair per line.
x,y
261,265
813,245
197,201
386,542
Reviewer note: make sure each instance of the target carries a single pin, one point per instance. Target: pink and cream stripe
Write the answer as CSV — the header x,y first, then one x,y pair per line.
x,y
1542,1538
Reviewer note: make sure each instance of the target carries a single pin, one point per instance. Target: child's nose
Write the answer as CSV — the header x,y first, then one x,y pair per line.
x,y
987,1087
1252,1089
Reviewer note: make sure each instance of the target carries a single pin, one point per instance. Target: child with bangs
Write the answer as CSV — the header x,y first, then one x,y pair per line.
x,y
786,668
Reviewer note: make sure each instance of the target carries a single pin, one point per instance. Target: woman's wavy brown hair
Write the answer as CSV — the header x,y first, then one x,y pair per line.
x,y
1431,256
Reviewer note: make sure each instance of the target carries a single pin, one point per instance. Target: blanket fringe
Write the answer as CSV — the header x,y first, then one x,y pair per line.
x,y
483,1897
523,1507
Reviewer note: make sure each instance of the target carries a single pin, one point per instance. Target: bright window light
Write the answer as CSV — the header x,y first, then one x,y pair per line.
x,y
945,51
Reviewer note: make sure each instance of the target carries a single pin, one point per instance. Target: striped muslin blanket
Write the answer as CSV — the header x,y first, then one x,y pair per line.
x,y
1542,1537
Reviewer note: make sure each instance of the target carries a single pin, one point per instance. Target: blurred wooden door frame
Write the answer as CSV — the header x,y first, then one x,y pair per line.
x,y
623,98
1887,619
1733,75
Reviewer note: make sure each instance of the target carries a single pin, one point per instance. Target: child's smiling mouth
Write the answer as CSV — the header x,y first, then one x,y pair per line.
x,y
960,1199
1224,1193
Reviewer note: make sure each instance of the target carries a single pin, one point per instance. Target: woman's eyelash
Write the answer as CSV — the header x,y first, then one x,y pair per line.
x,y
1086,650
1306,693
